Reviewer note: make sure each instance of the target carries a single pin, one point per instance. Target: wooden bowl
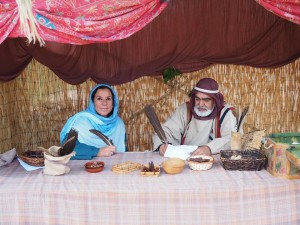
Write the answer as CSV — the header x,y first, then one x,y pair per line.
x,y
173,165
94,166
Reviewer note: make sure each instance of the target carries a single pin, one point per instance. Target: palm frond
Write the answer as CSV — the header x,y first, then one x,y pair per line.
x,y
150,113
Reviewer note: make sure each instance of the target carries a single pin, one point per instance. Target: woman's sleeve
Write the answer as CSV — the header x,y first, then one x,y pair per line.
x,y
85,152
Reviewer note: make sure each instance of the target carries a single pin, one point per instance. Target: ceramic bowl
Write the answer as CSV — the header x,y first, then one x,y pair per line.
x,y
94,166
173,165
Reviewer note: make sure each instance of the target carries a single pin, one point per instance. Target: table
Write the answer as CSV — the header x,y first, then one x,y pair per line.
x,y
216,196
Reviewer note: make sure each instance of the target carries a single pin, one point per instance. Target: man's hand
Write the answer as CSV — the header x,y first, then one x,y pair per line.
x,y
202,150
163,149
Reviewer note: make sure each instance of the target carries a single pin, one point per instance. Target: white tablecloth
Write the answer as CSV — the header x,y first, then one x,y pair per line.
x,y
216,196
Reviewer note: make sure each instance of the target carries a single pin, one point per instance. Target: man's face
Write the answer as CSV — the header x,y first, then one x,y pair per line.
x,y
204,102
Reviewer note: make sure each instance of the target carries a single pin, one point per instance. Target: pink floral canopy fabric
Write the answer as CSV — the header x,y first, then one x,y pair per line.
x,y
76,21
287,9
188,35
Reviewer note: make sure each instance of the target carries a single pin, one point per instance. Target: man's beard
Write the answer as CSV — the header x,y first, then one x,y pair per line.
x,y
205,113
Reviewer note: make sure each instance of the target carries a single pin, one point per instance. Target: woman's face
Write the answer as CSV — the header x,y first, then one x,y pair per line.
x,y
103,102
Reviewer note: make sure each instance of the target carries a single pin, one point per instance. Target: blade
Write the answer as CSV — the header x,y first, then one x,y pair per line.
x,y
102,136
150,113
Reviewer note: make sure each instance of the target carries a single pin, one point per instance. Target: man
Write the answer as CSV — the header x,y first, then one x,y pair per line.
x,y
206,121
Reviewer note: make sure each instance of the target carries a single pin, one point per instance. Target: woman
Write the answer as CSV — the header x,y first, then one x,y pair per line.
x,y
102,115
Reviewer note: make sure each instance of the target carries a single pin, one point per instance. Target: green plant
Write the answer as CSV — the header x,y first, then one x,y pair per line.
x,y
170,73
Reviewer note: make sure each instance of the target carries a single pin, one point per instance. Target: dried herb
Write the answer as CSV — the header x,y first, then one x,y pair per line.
x,y
200,160
150,168
34,154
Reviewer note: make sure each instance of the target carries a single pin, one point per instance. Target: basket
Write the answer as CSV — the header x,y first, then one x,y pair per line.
x,y
146,173
198,165
293,155
33,157
288,138
125,167
242,159
279,159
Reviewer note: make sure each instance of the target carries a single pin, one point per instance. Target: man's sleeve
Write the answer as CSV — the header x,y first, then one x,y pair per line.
x,y
223,143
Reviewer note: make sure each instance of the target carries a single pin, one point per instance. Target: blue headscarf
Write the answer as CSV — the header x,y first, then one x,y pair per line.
x,y
112,126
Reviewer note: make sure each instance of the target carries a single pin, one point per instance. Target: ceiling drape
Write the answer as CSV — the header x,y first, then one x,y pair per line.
x,y
188,35
76,21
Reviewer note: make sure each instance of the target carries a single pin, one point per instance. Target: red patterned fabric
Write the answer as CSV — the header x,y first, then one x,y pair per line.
x,y
288,9
81,21
188,35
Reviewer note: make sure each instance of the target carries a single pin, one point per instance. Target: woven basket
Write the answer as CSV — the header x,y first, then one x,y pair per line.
x,y
242,159
33,158
200,165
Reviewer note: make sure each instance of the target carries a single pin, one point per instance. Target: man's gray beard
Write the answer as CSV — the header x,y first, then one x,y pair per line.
x,y
203,113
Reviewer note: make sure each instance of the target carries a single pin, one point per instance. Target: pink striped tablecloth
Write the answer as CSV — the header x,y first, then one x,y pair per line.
x,y
216,196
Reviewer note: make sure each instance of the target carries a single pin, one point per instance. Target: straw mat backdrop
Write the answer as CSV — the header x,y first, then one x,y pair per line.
x,y
35,106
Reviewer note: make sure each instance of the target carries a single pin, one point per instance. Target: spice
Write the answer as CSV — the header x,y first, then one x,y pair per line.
x,y
199,160
150,168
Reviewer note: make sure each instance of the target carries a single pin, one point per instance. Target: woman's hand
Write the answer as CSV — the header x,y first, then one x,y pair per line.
x,y
202,150
107,151
163,149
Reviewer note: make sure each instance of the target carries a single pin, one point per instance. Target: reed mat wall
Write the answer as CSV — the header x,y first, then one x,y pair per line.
x,y
35,106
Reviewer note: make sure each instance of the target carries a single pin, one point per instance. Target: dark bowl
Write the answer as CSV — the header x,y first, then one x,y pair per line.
x,y
33,157
94,166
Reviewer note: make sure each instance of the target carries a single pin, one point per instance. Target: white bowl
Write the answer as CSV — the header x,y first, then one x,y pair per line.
x,y
200,165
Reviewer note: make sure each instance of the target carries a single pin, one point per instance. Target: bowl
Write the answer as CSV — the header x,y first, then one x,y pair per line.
x,y
94,166
173,165
200,162
33,157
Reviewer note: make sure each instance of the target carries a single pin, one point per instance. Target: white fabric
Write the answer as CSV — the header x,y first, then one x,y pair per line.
x,y
7,157
198,132
206,91
57,165
28,167
180,151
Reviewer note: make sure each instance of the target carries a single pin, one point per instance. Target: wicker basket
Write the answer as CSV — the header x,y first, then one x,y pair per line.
x,y
33,158
200,165
242,159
